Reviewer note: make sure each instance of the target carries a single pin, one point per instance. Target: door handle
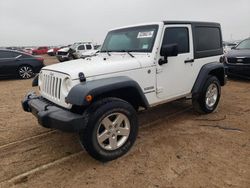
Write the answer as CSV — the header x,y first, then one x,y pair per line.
x,y
189,61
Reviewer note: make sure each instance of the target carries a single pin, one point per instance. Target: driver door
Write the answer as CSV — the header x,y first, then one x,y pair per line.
x,y
7,63
174,78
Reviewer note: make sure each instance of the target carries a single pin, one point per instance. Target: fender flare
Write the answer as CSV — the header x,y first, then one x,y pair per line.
x,y
214,68
98,87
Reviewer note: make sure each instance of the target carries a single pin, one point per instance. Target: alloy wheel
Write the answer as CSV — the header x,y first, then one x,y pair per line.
x,y
113,131
25,72
211,95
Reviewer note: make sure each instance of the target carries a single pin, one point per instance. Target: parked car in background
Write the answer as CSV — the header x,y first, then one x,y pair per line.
x,y
63,54
52,51
227,46
78,49
40,51
28,50
74,51
19,64
237,61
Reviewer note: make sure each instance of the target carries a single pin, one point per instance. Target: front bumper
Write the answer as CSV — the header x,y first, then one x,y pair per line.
x,y
62,57
237,70
51,116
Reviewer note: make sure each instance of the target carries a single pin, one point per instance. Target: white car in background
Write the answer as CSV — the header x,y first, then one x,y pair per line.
x,y
81,49
91,53
63,54
74,51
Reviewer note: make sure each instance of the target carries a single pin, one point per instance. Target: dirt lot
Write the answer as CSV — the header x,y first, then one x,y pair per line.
x,y
175,147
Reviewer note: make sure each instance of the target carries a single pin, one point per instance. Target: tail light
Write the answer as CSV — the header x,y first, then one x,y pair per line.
x,y
40,59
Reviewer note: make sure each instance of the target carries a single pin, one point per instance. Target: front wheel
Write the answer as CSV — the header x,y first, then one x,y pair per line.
x,y
209,97
111,129
25,72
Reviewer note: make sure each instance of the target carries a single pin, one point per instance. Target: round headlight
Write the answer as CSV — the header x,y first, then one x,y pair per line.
x,y
67,84
40,78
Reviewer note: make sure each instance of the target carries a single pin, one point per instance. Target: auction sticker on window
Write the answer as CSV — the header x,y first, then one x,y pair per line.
x,y
145,34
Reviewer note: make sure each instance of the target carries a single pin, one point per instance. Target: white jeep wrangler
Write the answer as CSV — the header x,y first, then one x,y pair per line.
x,y
138,66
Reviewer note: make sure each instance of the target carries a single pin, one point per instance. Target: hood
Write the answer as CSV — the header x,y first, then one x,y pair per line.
x,y
238,53
97,65
51,50
64,49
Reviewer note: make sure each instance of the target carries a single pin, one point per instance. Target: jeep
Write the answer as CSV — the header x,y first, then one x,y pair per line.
x,y
138,67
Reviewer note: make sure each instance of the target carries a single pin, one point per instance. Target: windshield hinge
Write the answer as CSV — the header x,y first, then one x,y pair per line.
x,y
158,70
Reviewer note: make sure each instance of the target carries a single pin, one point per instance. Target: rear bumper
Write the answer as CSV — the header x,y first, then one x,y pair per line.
x,y
51,116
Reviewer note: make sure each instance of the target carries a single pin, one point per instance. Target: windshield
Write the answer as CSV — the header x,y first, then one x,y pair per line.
x,y
245,44
134,39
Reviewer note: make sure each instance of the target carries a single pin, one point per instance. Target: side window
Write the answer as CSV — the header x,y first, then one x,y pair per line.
x,y
88,47
15,54
178,35
6,54
207,38
81,47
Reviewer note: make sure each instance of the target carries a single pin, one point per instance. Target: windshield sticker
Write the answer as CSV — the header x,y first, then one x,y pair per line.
x,y
146,34
145,46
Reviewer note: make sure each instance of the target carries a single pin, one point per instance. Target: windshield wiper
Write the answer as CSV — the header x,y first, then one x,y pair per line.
x,y
128,52
107,51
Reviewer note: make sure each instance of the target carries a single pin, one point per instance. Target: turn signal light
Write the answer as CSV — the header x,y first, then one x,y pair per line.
x,y
89,98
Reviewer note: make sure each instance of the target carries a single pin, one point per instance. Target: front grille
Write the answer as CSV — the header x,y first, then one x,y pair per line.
x,y
235,60
51,86
62,53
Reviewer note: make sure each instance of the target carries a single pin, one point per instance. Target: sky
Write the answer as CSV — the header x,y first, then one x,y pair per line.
x,y
59,22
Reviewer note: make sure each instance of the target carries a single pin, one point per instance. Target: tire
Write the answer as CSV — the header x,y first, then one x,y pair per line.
x,y
102,138
25,72
209,97
60,60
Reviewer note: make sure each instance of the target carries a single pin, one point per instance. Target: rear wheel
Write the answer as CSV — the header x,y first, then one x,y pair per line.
x,y
209,97
25,72
111,129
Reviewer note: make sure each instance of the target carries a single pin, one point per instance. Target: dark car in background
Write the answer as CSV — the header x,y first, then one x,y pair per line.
x,y
237,60
19,64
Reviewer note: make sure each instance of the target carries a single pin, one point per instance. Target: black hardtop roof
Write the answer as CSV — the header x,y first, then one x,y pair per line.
x,y
194,23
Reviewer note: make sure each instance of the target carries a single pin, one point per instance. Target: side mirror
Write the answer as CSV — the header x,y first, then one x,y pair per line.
x,y
168,50
233,48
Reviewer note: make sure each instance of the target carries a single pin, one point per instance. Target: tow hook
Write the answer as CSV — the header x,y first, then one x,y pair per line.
x,y
25,102
46,107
